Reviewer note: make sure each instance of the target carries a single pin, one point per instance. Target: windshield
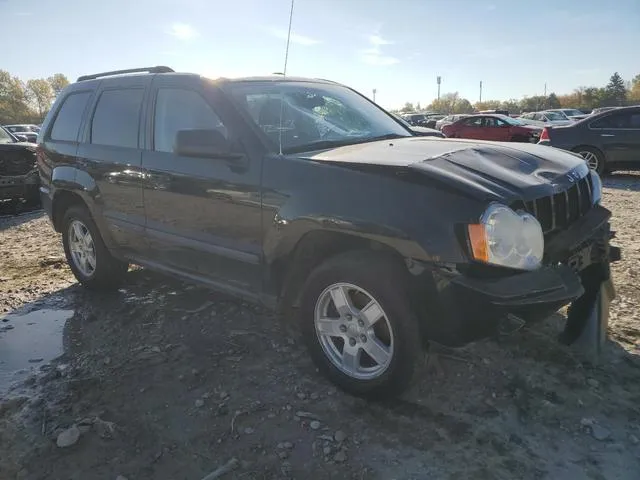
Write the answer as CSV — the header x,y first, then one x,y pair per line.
x,y
555,116
572,113
5,137
306,116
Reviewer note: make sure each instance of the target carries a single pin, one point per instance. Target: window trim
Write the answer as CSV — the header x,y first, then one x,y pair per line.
x,y
47,134
89,129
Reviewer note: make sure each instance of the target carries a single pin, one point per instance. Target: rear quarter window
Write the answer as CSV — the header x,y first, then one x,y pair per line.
x,y
67,121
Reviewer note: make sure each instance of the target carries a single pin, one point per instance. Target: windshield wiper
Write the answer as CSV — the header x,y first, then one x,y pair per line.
x,y
322,144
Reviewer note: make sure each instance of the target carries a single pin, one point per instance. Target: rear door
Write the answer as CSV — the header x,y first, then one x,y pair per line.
x,y
203,214
618,135
110,155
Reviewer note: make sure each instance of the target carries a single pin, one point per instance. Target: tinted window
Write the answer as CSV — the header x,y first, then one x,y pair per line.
x,y
618,120
178,109
67,122
117,118
474,122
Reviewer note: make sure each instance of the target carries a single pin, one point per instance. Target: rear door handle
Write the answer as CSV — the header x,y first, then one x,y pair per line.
x,y
607,135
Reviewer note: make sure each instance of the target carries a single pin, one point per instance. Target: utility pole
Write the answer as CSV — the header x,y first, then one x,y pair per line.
x,y
374,95
439,80
480,92
545,89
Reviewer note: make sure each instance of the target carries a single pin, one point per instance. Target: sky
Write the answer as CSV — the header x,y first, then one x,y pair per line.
x,y
397,47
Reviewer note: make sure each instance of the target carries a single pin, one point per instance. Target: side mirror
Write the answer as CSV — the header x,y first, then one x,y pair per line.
x,y
203,143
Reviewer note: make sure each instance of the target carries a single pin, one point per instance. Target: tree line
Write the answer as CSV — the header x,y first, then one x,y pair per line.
x,y
615,93
28,102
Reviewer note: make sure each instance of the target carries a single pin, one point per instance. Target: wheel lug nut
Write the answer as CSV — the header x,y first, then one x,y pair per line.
x,y
343,328
352,342
348,316
361,323
363,338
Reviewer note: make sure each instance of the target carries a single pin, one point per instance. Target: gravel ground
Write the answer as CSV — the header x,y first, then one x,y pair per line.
x,y
164,380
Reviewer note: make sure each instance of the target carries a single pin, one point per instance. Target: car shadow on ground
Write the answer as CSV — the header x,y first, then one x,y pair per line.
x,y
189,377
11,219
623,181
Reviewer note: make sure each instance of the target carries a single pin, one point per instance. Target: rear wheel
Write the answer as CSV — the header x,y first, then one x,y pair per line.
x,y
593,157
87,255
358,324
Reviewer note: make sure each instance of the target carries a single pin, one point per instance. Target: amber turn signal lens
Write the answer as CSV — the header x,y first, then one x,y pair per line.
x,y
478,239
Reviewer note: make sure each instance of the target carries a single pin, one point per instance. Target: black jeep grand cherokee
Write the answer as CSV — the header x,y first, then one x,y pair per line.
x,y
305,195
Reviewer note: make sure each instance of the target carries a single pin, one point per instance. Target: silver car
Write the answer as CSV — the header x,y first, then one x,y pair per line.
x,y
545,119
448,120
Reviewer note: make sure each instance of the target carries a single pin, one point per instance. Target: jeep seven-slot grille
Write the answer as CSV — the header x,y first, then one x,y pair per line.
x,y
560,210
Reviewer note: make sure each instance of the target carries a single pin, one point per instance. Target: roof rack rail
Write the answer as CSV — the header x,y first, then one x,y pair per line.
x,y
158,69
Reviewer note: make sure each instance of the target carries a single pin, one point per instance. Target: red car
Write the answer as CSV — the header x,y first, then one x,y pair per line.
x,y
495,127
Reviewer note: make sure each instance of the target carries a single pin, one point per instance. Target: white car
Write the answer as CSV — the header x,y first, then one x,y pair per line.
x,y
571,113
545,119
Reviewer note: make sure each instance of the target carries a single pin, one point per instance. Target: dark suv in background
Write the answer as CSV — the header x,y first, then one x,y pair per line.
x,y
303,194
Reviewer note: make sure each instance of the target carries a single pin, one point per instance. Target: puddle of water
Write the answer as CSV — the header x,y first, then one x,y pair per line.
x,y
28,341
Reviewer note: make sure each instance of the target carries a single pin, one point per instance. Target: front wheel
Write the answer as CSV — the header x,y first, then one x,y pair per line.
x,y
87,255
358,324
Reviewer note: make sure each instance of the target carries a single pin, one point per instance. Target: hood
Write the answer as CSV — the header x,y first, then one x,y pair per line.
x,y
11,147
487,170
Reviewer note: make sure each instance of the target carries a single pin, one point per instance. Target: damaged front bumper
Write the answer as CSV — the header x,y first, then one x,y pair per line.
x,y
464,308
14,187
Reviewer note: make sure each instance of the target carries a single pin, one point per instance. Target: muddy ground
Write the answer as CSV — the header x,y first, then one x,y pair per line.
x,y
164,380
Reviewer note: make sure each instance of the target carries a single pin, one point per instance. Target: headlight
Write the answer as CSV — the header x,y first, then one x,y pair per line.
x,y
596,187
504,237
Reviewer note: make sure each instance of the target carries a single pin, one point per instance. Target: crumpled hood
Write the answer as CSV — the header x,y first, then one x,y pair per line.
x,y
489,170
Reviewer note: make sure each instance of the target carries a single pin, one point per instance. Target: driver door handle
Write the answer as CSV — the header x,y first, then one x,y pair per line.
x,y
607,135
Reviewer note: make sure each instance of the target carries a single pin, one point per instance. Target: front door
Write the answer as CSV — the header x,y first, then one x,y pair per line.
x,y
619,136
203,215
495,129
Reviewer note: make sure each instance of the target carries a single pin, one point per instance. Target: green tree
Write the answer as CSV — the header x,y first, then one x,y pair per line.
x,y
40,94
58,82
14,107
451,103
616,92
552,101
511,106
408,107
634,92
487,105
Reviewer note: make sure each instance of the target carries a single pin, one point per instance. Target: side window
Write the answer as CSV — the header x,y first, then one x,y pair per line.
x,y
618,120
489,122
179,109
67,122
116,120
500,123
474,122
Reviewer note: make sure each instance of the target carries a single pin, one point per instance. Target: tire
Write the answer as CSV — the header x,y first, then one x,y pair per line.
x,y
397,331
107,272
593,157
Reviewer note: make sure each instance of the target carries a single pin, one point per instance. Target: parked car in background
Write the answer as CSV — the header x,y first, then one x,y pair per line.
x,y
18,173
420,131
449,119
544,119
26,131
602,109
496,111
608,141
427,119
570,113
416,240
492,127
